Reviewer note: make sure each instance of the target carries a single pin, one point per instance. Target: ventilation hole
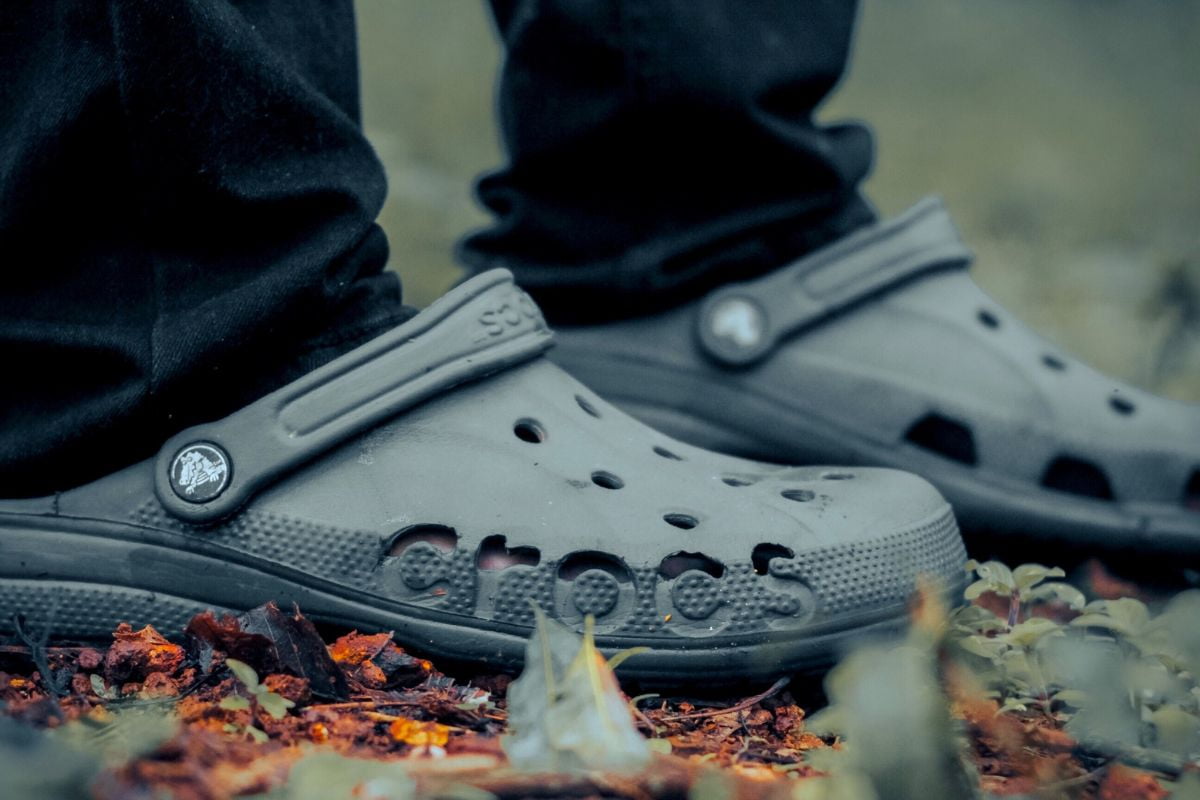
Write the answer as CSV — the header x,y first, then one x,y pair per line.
x,y
944,436
799,495
684,521
837,476
1076,476
1121,405
440,536
578,563
676,564
1054,362
529,430
607,480
988,319
494,553
1191,492
665,453
737,480
763,553
586,406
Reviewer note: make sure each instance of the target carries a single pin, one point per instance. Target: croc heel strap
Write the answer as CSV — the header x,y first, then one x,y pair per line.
x,y
485,325
741,324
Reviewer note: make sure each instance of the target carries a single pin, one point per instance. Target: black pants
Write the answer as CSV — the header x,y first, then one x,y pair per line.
x,y
187,202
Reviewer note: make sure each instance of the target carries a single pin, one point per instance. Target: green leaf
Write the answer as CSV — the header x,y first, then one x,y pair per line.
x,y
659,746
1125,616
1027,576
975,619
1012,704
1032,630
999,575
234,703
976,589
275,705
1176,730
243,672
983,647
1056,590
1016,665
1128,616
260,737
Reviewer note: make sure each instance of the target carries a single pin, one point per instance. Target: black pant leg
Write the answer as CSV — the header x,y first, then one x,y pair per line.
x,y
187,209
660,147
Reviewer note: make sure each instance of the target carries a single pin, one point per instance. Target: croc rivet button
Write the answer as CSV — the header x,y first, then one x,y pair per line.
x,y
200,472
734,327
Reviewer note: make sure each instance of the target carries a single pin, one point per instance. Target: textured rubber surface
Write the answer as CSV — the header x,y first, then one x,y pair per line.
x,y
89,610
444,523
926,374
77,610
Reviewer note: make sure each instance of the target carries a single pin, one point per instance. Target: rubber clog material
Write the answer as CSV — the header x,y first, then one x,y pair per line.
x,y
442,479
881,350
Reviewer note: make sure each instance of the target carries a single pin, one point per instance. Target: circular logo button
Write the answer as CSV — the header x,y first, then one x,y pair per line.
x,y
200,472
738,321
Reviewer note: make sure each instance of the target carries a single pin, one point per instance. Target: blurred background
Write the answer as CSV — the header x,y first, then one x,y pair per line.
x,y
1064,134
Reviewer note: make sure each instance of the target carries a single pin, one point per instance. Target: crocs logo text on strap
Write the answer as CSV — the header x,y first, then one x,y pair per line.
x,y
514,311
200,472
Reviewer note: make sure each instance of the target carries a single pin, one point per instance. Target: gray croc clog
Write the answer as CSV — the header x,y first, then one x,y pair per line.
x,y
445,477
881,350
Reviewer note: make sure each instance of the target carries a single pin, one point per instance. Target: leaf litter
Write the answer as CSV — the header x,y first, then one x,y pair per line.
x,y
1028,691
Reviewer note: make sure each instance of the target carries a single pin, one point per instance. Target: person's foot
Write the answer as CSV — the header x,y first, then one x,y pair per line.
x,y
444,478
881,350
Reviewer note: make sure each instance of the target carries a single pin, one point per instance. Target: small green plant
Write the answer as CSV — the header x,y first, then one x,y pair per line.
x,y
1025,584
1010,652
275,705
1119,676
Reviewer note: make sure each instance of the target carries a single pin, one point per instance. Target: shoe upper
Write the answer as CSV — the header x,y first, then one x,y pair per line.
x,y
885,351
516,486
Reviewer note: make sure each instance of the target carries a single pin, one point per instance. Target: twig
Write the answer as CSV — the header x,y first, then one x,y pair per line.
x,y
37,654
353,704
742,706
642,719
